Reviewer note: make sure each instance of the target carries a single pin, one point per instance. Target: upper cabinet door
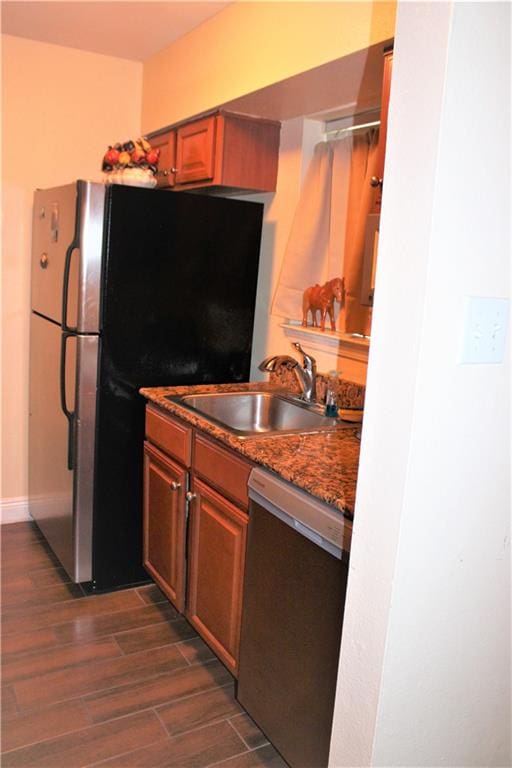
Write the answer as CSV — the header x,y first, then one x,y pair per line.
x,y
195,151
166,143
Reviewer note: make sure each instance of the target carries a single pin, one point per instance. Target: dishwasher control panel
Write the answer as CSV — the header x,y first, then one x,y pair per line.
x,y
310,517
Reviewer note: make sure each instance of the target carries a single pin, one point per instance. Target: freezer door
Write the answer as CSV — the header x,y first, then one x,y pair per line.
x,y
67,241
61,441
53,232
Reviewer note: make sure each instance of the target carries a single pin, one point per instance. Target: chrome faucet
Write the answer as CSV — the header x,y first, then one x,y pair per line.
x,y
306,375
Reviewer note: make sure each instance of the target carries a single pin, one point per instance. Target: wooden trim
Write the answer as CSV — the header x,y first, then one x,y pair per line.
x,y
220,126
333,342
383,129
14,510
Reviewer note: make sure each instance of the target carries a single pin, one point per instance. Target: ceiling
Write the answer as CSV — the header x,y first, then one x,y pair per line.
x,y
128,30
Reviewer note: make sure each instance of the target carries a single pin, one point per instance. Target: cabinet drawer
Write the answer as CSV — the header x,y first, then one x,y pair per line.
x,y
169,435
222,470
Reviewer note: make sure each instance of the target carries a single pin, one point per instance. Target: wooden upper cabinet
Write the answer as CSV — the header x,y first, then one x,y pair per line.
x,y
246,153
226,151
166,143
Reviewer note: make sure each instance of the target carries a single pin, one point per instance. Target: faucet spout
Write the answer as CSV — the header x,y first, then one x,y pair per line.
x,y
307,374
273,362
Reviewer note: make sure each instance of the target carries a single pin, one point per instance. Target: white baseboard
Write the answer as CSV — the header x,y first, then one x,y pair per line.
x,y
14,510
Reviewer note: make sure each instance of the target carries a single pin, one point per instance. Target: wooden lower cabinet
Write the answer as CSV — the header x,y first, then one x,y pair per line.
x,y
194,542
165,486
217,540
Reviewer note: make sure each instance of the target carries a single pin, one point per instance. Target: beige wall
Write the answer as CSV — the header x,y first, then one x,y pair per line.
x,y
60,109
250,45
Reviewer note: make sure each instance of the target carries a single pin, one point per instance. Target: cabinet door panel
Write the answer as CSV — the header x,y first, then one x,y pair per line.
x,y
195,151
217,541
166,143
165,485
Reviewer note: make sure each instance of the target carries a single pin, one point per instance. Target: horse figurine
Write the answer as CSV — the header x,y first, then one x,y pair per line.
x,y
320,298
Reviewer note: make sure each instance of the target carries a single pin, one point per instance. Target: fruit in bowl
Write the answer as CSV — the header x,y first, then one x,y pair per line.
x,y
138,156
111,157
133,162
152,156
124,159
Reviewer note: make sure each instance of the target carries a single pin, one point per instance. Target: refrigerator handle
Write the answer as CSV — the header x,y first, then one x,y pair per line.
x,y
70,415
67,263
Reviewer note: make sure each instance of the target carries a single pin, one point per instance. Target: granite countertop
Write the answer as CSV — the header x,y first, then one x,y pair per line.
x,y
323,464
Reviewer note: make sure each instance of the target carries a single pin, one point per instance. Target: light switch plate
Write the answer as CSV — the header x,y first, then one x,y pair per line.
x,y
485,330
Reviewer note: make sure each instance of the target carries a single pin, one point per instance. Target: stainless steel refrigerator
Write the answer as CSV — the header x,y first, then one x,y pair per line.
x,y
130,287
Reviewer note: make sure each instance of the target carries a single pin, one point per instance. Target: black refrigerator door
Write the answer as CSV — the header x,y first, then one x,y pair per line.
x,y
178,295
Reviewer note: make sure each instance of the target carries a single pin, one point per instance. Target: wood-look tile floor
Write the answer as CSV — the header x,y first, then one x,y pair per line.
x,y
117,679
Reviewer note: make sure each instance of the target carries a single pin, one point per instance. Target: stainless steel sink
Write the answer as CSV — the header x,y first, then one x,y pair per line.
x,y
247,414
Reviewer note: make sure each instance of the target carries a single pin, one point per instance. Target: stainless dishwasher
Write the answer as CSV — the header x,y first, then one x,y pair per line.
x,y
294,597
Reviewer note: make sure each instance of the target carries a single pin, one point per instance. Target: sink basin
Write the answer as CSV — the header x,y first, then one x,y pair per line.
x,y
247,414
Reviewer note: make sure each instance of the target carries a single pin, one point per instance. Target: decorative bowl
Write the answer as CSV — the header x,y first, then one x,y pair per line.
x,y
131,177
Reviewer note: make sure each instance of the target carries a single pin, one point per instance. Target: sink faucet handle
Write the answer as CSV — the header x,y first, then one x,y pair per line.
x,y
309,361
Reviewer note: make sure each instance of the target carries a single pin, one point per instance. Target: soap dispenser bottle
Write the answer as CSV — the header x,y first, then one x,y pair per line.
x,y
331,400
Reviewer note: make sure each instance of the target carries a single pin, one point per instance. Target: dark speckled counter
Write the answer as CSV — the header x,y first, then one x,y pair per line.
x,y
324,464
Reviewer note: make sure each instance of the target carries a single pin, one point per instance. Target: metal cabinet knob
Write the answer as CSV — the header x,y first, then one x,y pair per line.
x,y
375,181
190,496
175,485
43,261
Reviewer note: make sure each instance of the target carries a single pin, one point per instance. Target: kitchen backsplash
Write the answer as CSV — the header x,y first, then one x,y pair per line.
x,y
349,394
